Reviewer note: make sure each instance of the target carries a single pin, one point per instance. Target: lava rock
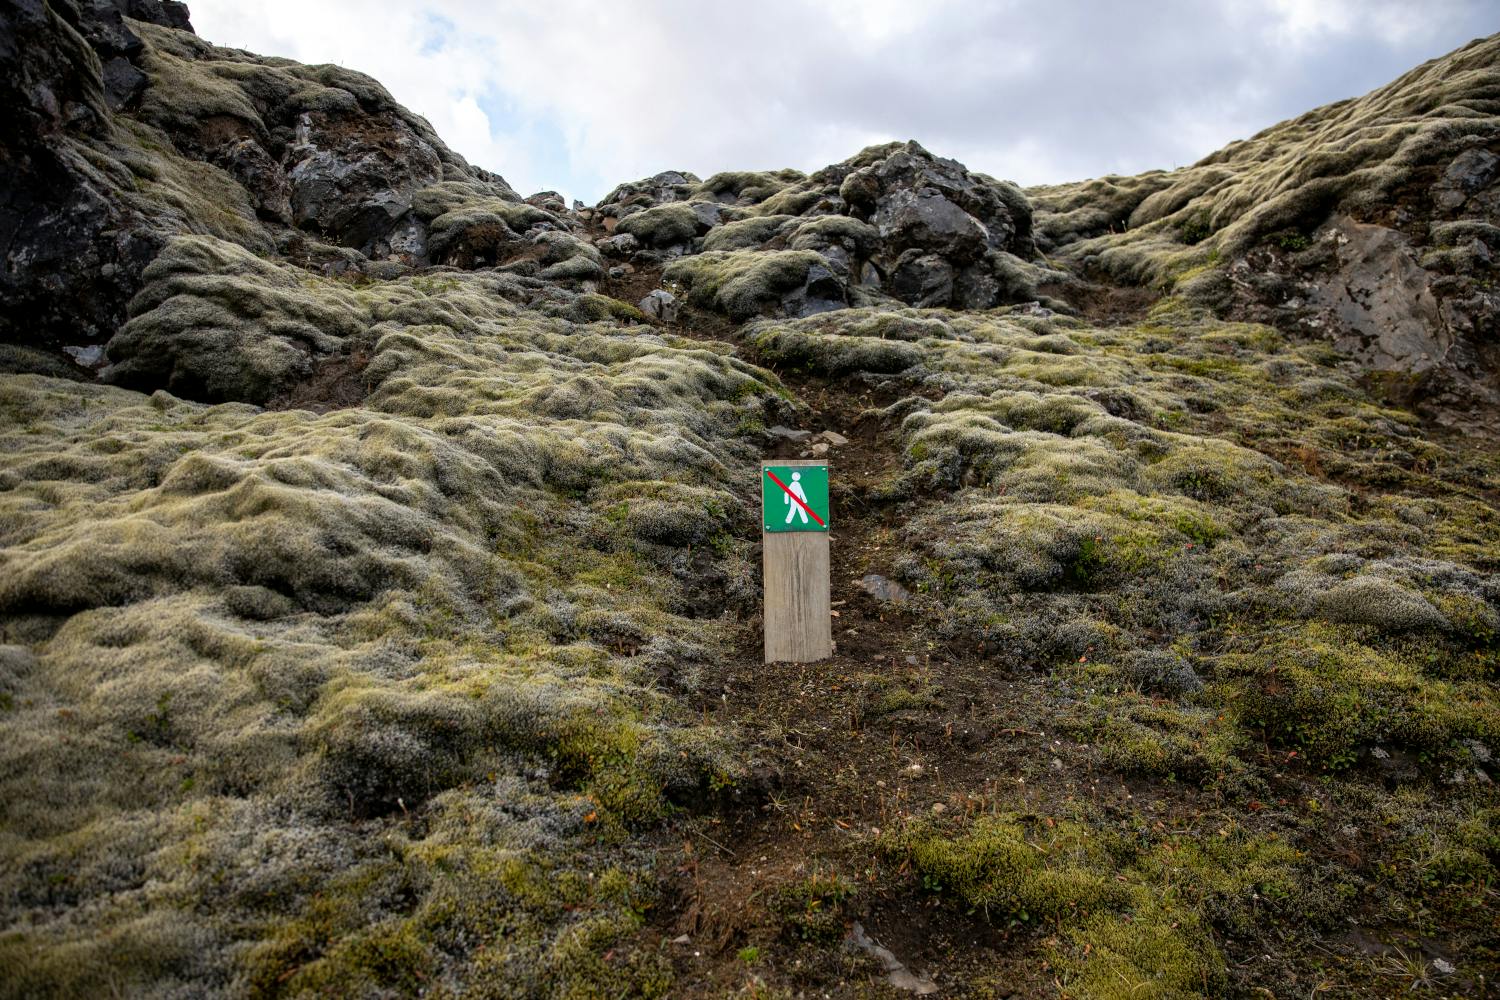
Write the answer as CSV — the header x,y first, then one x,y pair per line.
x,y
354,177
1469,172
883,589
922,279
249,163
620,245
660,305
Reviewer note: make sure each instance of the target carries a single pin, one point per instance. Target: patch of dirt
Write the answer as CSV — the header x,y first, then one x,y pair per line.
x,y
1104,304
893,726
634,285
337,383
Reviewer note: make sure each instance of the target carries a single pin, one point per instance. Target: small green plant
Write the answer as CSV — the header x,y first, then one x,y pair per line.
x,y
158,728
812,909
1197,229
1291,241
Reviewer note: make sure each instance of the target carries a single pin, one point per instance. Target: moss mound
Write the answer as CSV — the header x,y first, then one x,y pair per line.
x,y
1350,156
256,641
411,696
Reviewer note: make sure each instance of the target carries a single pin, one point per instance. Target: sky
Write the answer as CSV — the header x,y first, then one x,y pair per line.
x,y
579,95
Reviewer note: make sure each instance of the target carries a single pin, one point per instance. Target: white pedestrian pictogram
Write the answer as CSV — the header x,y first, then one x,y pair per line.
x,y
795,509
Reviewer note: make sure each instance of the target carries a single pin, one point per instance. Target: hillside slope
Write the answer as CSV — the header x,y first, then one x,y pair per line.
x,y
379,612
1369,223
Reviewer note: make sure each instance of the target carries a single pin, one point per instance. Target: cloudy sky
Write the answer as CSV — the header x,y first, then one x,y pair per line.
x,y
577,95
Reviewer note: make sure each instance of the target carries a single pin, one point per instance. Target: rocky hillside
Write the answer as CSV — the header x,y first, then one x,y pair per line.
x,y
379,608
1369,224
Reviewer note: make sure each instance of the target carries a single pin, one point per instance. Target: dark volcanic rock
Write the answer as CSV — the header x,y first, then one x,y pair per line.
x,y
633,196
63,268
893,221
922,279
249,163
353,178
120,129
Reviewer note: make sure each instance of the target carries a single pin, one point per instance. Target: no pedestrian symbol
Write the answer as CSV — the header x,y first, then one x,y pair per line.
x,y
794,497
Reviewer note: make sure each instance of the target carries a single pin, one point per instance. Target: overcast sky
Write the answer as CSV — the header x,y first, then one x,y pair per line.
x,y
578,95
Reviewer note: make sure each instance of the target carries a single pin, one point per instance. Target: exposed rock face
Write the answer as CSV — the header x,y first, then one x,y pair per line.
x,y
1380,306
922,202
1471,172
1414,303
121,130
260,175
352,180
62,269
1378,302
893,223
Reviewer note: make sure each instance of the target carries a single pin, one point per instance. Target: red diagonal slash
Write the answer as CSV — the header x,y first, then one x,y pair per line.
x,y
795,499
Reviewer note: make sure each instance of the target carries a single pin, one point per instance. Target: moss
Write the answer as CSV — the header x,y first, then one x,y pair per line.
x,y
1153,952
745,234
1350,156
215,322
1009,873
275,627
904,698
387,699
833,356
475,231
1450,860
662,226
812,909
742,283
1329,697
747,187
859,238
1136,737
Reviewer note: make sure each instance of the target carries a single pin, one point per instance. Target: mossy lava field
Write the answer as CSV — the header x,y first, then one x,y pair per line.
x,y
380,556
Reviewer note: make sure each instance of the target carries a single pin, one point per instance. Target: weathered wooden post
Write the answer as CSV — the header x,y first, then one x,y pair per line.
x,y
794,536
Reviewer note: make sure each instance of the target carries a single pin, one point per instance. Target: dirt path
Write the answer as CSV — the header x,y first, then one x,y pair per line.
x,y
895,725
767,888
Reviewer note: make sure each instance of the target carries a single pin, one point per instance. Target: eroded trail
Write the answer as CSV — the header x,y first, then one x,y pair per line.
x,y
896,725
1079,758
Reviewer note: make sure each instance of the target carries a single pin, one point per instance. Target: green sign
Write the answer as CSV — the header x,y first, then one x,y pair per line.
x,y
794,497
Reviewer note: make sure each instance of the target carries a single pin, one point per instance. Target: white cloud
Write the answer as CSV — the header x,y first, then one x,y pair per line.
x,y
577,95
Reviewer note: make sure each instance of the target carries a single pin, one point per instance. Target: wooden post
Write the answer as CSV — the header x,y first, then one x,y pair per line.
x,y
794,536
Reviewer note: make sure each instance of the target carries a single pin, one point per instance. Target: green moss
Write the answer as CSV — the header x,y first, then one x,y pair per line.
x,y
1008,872
812,909
746,186
742,283
826,355
662,226
1151,952
1279,184
745,234
266,633
1327,696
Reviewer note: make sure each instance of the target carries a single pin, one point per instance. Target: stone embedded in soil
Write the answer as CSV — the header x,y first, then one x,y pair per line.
x,y
661,305
883,589
897,974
